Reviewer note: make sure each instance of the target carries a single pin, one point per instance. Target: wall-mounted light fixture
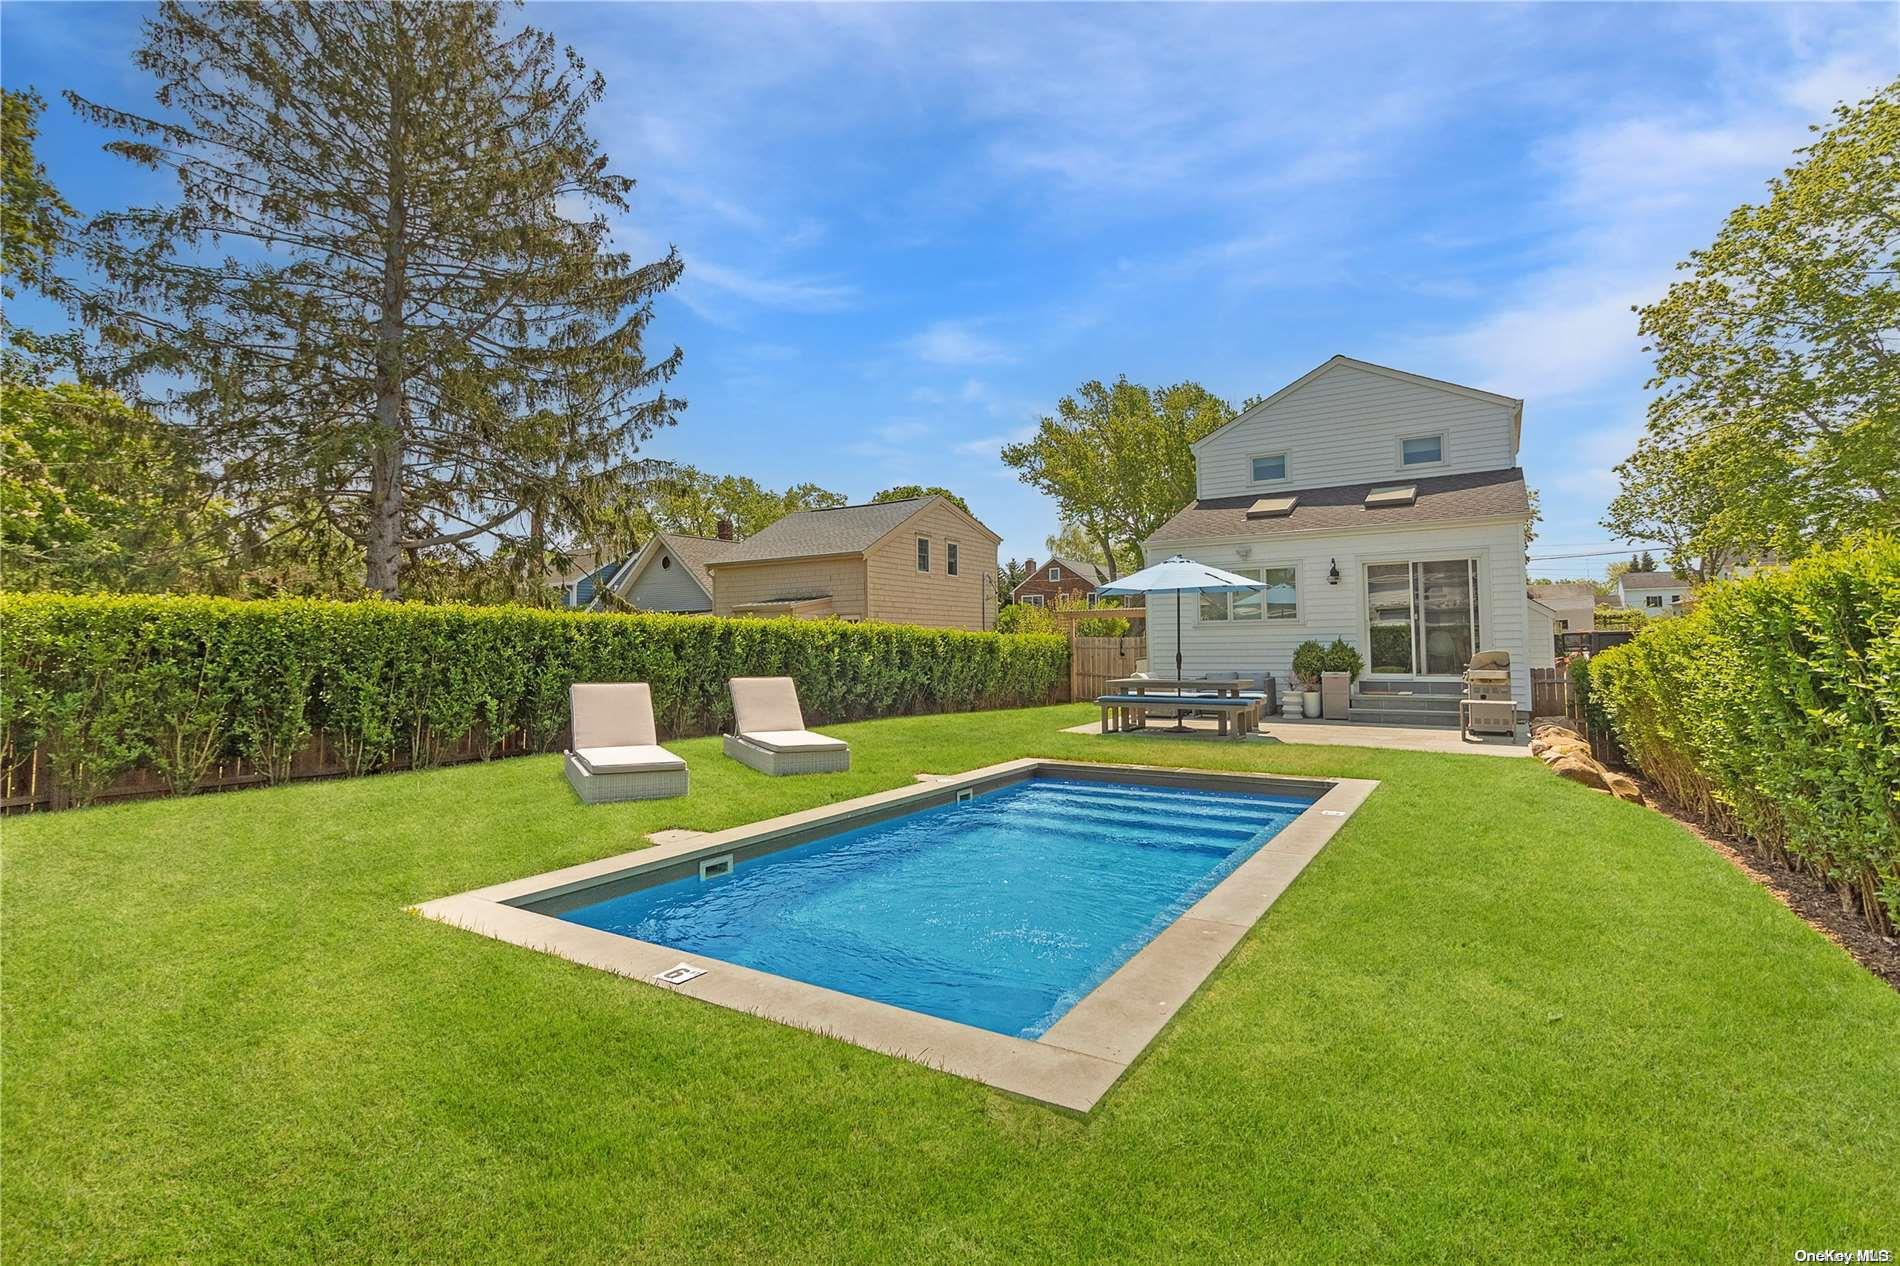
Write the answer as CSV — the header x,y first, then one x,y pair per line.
x,y
1332,573
1245,551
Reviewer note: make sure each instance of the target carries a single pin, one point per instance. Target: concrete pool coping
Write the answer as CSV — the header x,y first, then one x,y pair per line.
x,y
1071,1066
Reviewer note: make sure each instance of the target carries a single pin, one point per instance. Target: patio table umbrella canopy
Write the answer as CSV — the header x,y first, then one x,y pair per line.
x,y
1179,575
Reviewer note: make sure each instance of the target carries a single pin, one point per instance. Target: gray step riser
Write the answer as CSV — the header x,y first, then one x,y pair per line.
x,y
1407,705
1430,722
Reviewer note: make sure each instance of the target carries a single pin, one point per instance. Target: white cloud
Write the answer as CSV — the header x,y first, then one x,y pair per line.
x,y
957,343
791,294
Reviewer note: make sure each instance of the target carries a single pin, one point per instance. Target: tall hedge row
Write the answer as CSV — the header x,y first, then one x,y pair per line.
x,y
105,684
1773,707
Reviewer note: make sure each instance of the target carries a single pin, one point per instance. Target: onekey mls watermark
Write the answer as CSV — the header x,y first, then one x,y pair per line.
x,y
1843,1255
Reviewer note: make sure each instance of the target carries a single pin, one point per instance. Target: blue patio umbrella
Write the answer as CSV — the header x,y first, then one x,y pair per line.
x,y
1179,575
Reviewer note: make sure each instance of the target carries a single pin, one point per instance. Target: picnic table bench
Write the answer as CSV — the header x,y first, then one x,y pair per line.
x,y
1127,708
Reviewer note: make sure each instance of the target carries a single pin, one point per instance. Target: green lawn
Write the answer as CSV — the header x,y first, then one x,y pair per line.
x,y
1500,1017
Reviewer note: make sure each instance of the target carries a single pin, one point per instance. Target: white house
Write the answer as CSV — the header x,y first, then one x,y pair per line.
x,y
1653,593
1377,506
1573,604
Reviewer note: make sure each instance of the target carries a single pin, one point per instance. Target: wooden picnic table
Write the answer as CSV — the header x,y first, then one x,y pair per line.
x,y
1177,692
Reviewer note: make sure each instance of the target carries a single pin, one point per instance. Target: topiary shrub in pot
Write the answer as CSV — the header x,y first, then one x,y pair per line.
x,y
1309,661
1340,657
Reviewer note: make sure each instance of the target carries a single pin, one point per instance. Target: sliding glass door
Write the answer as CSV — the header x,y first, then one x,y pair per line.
x,y
1422,618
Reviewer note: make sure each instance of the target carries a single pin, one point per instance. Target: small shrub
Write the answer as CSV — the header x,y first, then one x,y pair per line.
x,y
1309,661
1340,657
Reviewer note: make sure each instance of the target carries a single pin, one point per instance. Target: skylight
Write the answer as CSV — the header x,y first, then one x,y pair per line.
x,y
1396,495
1273,507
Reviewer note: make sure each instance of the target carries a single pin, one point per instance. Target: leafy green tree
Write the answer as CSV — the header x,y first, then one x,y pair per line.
x,y
1009,573
35,227
1777,420
1118,460
1070,541
96,495
388,283
692,502
904,492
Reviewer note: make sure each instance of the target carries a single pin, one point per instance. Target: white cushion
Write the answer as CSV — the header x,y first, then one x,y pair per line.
x,y
794,741
765,704
633,759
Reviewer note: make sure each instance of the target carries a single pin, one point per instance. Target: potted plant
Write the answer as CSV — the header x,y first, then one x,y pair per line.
x,y
1341,669
1309,661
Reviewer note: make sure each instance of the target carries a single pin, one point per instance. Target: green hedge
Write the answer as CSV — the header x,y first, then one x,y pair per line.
x,y
104,685
1773,707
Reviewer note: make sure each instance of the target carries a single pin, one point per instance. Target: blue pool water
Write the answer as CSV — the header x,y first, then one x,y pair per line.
x,y
1000,912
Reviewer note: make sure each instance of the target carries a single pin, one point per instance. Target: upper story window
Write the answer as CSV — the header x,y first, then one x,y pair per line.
x,y
1269,468
923,553
950,558
1421,450
1653,600
1674,598
1055,573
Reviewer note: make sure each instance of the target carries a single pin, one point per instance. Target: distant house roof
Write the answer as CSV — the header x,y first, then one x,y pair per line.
x,y
1482,495
839,530
1653,580
694,552
586,586
1574,591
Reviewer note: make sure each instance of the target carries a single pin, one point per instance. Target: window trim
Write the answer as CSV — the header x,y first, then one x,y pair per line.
x,y
1444,448
1297,619
1053,575
1286,470
950,552
923,555
1032,599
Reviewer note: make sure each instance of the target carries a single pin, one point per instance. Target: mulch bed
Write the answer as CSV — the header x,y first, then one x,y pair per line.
x,y
1804,894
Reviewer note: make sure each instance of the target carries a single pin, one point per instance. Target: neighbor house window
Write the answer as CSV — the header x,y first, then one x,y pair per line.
x,y
1032,599
1055,573
923,553
950,558
1270,468
1278,599
1653,600
1422,450
1674,598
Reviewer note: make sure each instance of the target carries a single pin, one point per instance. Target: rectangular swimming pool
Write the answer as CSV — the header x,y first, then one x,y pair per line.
x,y
999,911
1032,925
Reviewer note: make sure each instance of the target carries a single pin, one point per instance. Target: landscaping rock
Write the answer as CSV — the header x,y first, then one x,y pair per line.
x,y
1581,769
1623,787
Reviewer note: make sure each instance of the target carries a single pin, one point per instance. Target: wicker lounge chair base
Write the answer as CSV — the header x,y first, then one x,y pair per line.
x,y
767,761
642,784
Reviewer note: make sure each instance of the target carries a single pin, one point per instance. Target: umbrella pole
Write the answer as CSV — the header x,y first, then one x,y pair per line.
x,y
1180,716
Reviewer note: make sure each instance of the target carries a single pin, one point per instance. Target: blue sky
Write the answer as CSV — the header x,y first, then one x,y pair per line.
x,y
909,230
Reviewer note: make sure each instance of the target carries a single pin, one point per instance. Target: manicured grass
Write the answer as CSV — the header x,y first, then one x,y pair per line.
x,y
1500,1017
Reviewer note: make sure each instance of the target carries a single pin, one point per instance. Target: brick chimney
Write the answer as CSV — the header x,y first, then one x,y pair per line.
x,y
725,529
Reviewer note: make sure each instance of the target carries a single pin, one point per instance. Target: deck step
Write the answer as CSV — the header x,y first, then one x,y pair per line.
x,y
1386,716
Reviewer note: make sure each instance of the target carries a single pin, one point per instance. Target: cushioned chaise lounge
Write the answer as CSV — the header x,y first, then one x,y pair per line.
x,y
770,734
616,756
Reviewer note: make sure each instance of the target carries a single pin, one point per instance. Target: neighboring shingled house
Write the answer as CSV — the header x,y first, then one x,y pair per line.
x,y
918,561
1059,579
669,573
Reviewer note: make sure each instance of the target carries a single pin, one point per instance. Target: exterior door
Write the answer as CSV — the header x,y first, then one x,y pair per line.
x,y
1389,607
1422,618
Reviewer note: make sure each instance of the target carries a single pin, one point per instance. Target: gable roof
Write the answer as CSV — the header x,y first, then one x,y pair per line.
x,y
1480,495
837,530
694,552
1653,580
1565,589
1347,362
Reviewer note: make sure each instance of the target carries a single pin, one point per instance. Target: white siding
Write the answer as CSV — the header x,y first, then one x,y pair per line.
x,y
1543,635
667,588
1344,427
1329,611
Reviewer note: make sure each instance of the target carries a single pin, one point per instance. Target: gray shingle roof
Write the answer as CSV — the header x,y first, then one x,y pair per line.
x,y
1654,580
1071,567
694,552
1475,496
815,533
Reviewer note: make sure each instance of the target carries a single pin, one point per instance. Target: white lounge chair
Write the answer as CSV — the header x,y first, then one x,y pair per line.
x,y
615,754
770,734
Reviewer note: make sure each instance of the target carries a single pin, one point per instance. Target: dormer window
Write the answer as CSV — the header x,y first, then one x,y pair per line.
x,y
1421,450
1269,468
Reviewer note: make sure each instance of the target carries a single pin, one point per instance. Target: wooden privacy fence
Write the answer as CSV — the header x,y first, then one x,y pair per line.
x,y
1093,661
1550,692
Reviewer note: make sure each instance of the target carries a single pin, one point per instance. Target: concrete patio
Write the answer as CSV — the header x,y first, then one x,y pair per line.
x,y
1404,738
